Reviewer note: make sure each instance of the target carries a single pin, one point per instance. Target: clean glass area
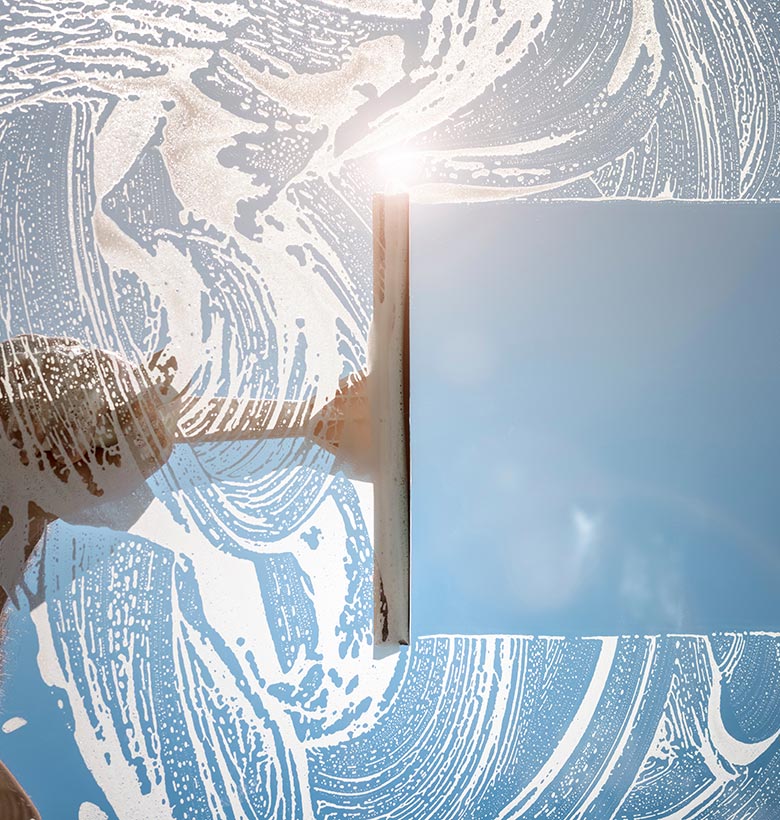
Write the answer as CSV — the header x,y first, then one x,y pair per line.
x,y
595,408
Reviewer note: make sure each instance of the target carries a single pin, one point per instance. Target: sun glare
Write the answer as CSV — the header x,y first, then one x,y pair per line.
x,y
397,171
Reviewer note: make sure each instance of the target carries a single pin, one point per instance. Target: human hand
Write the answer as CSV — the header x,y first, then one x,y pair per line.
x,y
343,427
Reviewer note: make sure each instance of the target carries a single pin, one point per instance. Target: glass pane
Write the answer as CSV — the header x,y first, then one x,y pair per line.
x,y
595,394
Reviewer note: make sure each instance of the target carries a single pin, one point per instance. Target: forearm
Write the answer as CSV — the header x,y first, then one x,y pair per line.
x,y
234,419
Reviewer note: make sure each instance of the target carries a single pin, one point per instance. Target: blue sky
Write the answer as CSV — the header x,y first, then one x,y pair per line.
x,y
595,395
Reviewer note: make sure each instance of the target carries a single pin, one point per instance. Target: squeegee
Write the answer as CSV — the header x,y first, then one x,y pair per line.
x,y
388,351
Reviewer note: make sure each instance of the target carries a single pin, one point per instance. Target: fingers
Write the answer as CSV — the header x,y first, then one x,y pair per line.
x,y
329,433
